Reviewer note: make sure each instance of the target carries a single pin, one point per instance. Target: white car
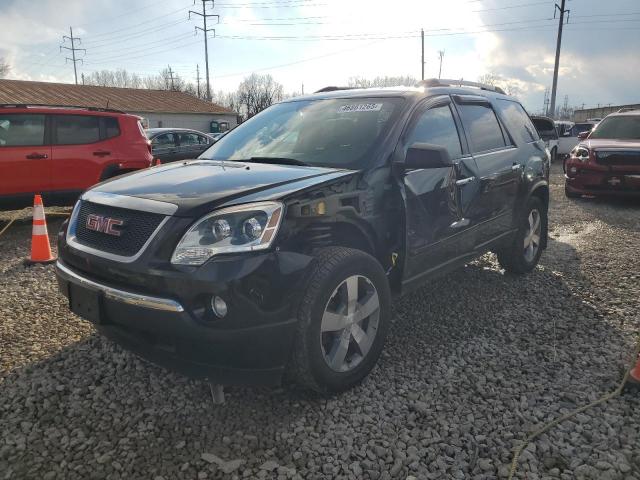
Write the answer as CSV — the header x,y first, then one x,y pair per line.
x,y
547,131
568,134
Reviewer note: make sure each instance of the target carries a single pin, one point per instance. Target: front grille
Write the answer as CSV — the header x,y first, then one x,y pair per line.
x,y
618,158
135,230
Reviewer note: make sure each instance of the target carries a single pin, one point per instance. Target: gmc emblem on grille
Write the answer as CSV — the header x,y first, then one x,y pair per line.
x,y
107,225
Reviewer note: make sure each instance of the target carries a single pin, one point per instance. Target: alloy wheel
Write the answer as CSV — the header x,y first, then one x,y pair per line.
x,y
532,236
350,323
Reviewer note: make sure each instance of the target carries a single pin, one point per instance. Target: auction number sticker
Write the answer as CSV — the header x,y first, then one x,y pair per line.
x,y
360,107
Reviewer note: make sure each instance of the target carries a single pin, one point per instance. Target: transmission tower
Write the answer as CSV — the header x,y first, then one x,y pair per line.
x,y
73,51
205,30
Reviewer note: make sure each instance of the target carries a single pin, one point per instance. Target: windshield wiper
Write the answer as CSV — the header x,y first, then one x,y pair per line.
x,y
277,160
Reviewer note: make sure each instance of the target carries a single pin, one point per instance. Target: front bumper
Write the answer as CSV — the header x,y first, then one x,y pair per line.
x,y
586,179
250,346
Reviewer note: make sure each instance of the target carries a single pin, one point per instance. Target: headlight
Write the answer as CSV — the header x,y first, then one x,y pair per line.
x,y
243,228
582,154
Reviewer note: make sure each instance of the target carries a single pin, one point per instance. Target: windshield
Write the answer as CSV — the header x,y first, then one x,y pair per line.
x,y
339,133
624,127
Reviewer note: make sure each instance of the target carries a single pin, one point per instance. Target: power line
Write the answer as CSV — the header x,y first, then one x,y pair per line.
x,y
205,32
73,50
110,33
142,33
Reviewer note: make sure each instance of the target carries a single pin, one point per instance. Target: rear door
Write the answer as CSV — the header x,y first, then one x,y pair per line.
x,y
78,155
438,200
25,156
498,163
165,147
191,144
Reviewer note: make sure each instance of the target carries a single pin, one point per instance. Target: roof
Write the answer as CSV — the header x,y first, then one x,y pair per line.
x,y
626,113
126,99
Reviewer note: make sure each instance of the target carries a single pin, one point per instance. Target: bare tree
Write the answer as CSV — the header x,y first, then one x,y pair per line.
x,y
4,68
124,79
257,92
227,99
509,86
360,82
114,78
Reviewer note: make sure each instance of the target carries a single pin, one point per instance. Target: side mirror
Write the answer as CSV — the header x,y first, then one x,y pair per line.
x,y
427,155
583,135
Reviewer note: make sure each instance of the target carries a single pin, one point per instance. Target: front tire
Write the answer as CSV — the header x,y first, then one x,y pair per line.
x,y
342,321
554,154
570,194
524,252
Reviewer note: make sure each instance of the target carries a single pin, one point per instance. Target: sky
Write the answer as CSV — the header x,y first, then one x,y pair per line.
x,y
326,42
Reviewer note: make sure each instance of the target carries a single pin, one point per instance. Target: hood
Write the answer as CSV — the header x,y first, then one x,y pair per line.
x,y
604,143
205,184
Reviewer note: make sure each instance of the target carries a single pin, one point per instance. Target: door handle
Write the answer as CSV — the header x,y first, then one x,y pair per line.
x,y
464,181
37,156
515,167
101,153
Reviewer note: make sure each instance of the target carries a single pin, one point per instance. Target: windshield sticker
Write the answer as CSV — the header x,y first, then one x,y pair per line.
x,y
360,107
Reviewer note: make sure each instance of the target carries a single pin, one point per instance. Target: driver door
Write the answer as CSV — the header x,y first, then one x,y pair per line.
x,y
440,225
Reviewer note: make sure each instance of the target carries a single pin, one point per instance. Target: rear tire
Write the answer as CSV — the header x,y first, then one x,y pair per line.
x,y
342,321
524,252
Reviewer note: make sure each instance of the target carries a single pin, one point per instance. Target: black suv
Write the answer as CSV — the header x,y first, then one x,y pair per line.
x,y
279,250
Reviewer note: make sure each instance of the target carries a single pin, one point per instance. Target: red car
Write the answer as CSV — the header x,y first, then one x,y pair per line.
x,y
61,151
607,160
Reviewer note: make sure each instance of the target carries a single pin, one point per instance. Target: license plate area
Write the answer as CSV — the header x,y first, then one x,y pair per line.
x,y
85,303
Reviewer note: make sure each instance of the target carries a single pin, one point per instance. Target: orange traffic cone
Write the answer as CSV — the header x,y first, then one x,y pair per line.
x,y
40,248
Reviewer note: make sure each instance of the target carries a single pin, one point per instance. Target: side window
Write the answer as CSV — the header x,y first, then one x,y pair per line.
x,y
164,140
111,127
202,140
437,126
188,139
482,126
518,121
76,129
21,130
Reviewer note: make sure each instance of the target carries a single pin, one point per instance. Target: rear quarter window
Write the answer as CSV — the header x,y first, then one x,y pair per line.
x,y
111,127
518,122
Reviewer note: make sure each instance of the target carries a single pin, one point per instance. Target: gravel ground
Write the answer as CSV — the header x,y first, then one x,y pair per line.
x,y
473,363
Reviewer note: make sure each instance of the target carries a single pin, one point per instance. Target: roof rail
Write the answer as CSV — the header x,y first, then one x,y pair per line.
x,y
437,82
333,89
48,105
627,109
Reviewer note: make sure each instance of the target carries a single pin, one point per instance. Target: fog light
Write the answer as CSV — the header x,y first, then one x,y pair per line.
x,y
219,306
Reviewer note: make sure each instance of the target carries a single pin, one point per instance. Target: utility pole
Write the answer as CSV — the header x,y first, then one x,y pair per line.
x,y
545,102
206,30
441,55
170,76
73,51
82,76
198,78
422,63
302,88
554,88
